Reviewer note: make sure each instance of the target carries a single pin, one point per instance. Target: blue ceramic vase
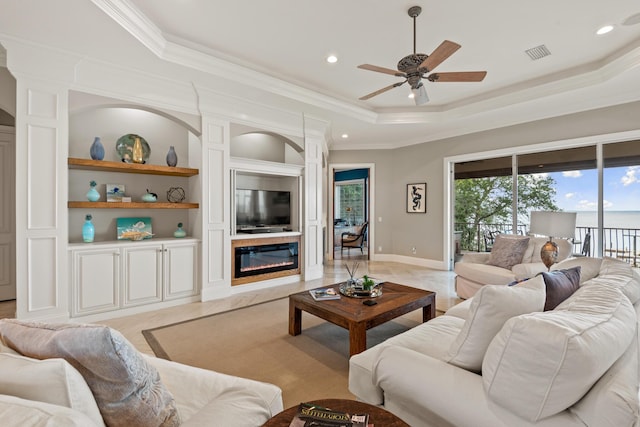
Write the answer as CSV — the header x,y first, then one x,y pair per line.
x,y
97,149
93,195
88,230
172,157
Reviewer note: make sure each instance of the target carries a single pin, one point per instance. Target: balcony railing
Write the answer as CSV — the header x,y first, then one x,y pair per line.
x,y
622,243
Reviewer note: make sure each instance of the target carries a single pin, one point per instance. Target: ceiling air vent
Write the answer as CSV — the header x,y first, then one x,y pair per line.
x,y
538,52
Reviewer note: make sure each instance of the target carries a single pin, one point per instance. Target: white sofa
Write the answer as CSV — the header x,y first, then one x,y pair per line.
x,y
52,392
575,365
473,270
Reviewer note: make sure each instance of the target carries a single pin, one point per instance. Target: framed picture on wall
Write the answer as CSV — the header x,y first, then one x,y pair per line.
x,y
417,198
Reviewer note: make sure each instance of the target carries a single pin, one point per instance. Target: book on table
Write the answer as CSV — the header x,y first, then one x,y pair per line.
x,y
309,415
324,294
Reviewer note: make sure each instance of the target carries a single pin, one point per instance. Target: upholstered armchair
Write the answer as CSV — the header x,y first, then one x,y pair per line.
x,y
354,240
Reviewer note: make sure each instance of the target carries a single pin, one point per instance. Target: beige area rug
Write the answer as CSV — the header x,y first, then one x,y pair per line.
x,y
254,342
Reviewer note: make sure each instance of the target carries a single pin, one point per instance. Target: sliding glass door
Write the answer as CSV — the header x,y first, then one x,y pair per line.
x,y
564,181
598,181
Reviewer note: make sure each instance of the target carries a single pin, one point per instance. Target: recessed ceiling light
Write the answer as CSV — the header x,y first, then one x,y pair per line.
x,y
604,30
345,135
411,95
332,59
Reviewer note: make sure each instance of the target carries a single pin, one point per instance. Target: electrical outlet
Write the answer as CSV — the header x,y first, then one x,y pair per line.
x,y
379,248
413,250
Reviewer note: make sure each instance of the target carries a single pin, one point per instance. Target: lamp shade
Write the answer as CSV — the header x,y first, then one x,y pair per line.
x,y
553,224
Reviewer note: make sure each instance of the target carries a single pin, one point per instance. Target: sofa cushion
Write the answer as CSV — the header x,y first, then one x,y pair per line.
x,y
560,285
527,270
539,364
432,338
508,250
484,273
52,381
589,267
613,400
15,411
617,273
127,390
490,307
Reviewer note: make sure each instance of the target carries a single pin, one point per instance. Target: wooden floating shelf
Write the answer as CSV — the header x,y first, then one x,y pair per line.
x,y
132,205
102,165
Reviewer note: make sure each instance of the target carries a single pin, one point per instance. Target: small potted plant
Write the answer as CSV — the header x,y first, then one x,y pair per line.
x,y
367,283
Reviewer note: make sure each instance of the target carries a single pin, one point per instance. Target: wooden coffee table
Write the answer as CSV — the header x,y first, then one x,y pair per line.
x,y
353,315
377,416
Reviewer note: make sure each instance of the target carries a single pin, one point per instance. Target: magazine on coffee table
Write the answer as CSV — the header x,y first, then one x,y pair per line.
x,y
324,294
309,415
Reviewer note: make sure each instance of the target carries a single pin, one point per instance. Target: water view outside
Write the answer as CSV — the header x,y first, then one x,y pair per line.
x,y
612,219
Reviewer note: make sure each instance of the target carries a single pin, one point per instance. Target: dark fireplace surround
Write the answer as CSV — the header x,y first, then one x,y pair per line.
x,y
264,258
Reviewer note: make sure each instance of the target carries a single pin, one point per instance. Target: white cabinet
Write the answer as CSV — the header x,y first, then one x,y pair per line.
x,y
113,276
95,280
142,274
180,261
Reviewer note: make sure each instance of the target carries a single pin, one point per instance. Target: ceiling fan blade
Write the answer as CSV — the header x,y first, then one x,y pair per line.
x,y
382,70
379,91
442,52
459,76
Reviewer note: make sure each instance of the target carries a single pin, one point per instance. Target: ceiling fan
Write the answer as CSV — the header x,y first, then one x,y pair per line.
x,y
413,68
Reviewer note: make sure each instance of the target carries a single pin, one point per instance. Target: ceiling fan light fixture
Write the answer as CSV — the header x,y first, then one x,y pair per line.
x,y
332,59
604,30
420,94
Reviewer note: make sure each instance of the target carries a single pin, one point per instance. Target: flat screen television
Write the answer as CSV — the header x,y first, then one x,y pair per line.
x,y
262,208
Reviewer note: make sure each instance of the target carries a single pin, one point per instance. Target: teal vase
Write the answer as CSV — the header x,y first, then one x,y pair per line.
x,y
88,230
93,195
179,232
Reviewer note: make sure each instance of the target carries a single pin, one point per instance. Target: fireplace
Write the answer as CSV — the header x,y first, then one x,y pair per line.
x,y
264,258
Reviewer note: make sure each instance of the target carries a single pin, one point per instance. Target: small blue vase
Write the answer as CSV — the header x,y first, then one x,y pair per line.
x,y
93,195
172,157
179,233
88,230
97,150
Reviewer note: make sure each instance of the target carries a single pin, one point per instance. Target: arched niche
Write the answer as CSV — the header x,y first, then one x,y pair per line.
x,y
93,116
250,143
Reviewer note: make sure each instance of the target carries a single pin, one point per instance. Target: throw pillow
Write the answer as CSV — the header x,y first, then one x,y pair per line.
x,y
508,250
127,389
560,285
490,308
57,381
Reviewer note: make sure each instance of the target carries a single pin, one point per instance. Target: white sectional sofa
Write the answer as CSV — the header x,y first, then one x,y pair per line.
x,y
102,380
474,269
482,364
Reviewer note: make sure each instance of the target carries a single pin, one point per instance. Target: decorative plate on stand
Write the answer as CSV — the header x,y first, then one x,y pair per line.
x,y
124,147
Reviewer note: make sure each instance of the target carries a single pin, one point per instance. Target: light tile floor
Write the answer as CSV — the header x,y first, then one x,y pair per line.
x,y
441,282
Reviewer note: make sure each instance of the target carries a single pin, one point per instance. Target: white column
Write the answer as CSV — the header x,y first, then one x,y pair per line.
x,y
216,236
41,193
313,258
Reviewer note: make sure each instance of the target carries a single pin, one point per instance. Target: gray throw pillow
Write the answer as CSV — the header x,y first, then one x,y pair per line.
x,y
127,389
508,250
560,285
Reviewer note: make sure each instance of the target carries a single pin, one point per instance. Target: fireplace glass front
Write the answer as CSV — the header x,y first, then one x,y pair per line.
x,y
255,260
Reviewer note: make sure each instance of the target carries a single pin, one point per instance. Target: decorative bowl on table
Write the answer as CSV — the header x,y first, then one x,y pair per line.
x,y
358,290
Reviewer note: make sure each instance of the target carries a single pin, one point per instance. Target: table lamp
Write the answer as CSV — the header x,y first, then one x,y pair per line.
x,y
552,224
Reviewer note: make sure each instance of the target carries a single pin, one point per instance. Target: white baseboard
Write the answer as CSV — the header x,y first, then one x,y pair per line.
x,y
421,262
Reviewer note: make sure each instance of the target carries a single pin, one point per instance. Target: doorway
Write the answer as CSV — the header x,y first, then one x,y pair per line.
x,y
7,214
350,211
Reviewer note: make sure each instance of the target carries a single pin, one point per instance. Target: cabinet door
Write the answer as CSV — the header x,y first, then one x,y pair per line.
x,y
142,274
180,270
95,281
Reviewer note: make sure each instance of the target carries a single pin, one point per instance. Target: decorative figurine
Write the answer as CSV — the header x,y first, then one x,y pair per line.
x,y
149,197
88,230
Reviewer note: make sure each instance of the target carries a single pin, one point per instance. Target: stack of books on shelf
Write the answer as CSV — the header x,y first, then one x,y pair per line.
x,y
324,294
309,415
